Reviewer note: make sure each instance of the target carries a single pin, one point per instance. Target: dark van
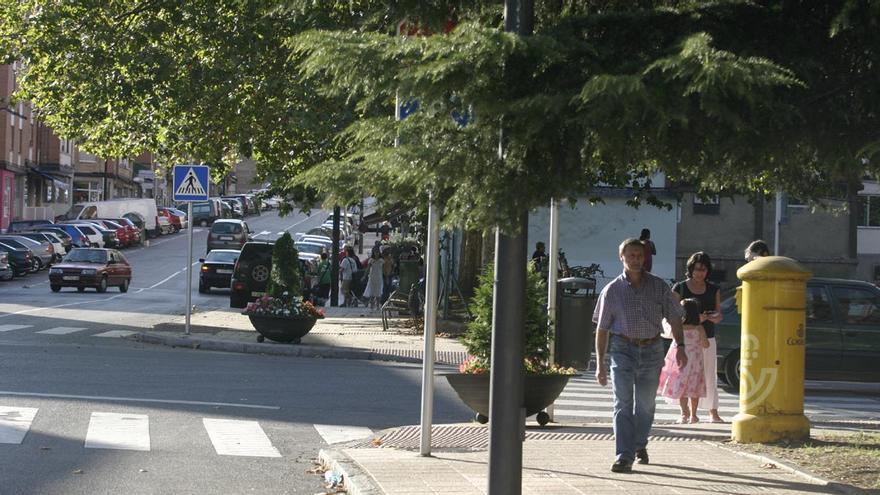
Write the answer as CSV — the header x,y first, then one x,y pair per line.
x,y
251,273
204,212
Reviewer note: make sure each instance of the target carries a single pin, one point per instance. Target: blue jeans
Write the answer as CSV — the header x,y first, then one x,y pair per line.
x,y
635,374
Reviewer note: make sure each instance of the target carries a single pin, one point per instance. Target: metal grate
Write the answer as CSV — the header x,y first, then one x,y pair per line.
x,y
445,357
477,437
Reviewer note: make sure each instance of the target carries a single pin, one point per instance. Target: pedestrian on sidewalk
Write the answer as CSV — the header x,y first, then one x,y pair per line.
x,y
650,249
324,274
628,317
387,274
686,385
756,250
373,292
697,286
347,268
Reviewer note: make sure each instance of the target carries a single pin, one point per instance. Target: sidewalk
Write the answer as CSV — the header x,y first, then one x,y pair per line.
x,y
346,333
564,460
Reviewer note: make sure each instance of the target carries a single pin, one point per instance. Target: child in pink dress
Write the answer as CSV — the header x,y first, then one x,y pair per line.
x,y
686,384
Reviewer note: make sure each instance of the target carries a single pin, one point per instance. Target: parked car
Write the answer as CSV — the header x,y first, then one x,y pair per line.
x,y
76,236
123,235
143,209
109,237
176,218
217,268
91,267
205,212
842,334
164,225
21,260
23,225
132,232
42,250
6,272
251,273
95,238
57,245
235,206
228,234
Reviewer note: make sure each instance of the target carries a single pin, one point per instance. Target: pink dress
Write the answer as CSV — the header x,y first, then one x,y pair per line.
x,y
690,381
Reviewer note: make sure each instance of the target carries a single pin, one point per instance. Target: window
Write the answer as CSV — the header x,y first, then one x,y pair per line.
x,y
858,306
870,211
708,206
818,306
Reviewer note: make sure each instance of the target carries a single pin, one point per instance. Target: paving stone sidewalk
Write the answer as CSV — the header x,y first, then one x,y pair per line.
x,y
347,333
568,460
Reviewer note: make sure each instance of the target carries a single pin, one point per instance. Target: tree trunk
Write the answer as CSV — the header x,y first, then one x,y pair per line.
x,y
471,261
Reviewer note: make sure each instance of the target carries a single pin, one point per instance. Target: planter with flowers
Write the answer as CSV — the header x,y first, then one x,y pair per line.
x,y
282,315
543,383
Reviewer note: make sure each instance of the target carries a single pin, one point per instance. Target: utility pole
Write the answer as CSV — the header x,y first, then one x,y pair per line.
x,y
506,409
334,261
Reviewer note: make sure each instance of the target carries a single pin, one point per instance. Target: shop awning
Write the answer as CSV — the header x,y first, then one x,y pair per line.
x,y
58,182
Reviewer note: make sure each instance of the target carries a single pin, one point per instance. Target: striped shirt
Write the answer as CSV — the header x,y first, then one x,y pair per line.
x,y
636,312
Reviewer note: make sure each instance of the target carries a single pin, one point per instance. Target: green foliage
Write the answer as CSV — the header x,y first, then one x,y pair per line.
x,y
285,279
538,335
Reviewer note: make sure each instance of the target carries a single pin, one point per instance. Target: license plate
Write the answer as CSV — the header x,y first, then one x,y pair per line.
x,y
258,294
224,271
226,238
70,277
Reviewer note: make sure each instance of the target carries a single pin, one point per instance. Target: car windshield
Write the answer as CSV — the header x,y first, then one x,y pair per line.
x,y
309,248
222,256
87,256
226,228
14,243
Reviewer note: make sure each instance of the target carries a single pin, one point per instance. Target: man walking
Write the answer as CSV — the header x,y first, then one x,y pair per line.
x,y
628,320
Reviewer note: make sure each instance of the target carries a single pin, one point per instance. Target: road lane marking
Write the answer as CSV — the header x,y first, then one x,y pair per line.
x,y
15,423
118,431
134,399
303,220
342,433
115,333
239,438
61,330
9,328
79,303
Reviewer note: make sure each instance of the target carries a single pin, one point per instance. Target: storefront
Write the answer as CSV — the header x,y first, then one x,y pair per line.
x,y
88,190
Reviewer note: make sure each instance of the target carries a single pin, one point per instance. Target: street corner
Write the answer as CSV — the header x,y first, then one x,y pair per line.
x,y
344,475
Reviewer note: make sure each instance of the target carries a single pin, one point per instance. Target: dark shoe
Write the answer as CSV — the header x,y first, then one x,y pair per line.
x,y
642,456
622,466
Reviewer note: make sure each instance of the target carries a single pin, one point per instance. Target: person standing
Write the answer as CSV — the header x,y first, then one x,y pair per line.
x,y
697,286
387,274
539,258
373,292
756,249
347,268
628,318
324,276
650,249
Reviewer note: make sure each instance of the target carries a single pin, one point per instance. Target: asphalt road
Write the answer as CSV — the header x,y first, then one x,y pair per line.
x,y
85,412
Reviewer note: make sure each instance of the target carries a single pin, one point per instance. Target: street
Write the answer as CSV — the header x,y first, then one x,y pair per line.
x,y
83,411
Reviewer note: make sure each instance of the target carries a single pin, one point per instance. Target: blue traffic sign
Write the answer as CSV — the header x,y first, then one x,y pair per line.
x,y
190,183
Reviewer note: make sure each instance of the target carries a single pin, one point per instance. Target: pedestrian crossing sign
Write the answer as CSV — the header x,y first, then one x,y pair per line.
x,y
190,183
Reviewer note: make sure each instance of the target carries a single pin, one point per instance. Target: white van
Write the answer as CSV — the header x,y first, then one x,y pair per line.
x,y
134,209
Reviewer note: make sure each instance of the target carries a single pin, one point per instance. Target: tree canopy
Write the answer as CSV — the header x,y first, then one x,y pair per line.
x,y
723,96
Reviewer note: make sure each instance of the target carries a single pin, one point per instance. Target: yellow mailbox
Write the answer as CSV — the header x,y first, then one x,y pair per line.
x,y
771,391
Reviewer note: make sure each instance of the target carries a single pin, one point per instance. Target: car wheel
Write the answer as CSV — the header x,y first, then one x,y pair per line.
x,y
55,288
203,289
124,286
731,369
102,285
36,265
80,289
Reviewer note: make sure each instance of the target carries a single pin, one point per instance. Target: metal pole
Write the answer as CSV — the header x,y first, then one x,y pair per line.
x,y
431,273
778,222
334,261
552,275
361,222
506,409
189,281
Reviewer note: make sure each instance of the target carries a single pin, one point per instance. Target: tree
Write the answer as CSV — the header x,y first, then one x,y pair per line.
x,y
720,96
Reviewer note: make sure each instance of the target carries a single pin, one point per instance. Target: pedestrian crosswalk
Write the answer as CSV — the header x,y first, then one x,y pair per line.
x,y
132,431
584,400
62,330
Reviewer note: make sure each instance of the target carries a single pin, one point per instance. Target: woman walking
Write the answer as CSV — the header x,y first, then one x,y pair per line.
x,y
697,286
373,292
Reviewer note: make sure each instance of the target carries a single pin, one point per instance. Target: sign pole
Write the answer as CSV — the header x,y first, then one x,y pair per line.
x,y
189,258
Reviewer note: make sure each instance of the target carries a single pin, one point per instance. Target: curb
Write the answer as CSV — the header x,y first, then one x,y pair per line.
x,y
355,480
793,469
308,351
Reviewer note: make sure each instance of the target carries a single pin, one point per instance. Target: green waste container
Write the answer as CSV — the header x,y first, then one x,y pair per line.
x,y
408,274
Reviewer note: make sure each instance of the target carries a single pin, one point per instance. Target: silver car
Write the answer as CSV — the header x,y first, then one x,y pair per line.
x,y
60,251
44,251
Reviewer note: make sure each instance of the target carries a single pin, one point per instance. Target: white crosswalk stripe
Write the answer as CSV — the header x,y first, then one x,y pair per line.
x,y
333,434
61,330
118,431
9,328
239,438
15,423
583,399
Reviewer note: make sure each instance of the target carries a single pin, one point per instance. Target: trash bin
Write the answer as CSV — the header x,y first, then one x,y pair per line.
x,y
575,300
408,273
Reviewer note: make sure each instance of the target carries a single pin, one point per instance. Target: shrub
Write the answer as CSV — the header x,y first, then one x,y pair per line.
x,y
285,279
